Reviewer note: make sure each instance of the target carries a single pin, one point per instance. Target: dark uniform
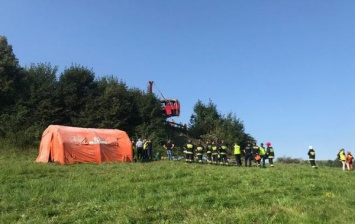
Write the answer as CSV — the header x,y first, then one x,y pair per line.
x,y
256,156
223,153
270,154
312,157
199,152
189,147
214,153
248,155
209,152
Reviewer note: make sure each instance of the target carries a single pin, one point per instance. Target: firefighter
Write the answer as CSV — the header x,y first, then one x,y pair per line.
x,y
312,157
199,151
223,153
209,151
262,154
270,153
214,153
189,147
248,155
256,156
237,154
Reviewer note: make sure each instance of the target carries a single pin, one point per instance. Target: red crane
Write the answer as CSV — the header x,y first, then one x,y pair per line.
x,y
170,107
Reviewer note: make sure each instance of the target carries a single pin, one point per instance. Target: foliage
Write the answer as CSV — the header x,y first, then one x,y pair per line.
x,y
208,124
171,192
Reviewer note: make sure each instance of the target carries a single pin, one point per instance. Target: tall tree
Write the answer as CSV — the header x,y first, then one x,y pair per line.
x,y
75,85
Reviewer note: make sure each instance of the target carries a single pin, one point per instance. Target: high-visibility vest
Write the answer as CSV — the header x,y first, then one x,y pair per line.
x,y
223,150
262,151
237,150
342,156
189,148
145,145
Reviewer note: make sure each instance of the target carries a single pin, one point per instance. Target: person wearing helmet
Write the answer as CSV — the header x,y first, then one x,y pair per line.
x,y
270,153
312,157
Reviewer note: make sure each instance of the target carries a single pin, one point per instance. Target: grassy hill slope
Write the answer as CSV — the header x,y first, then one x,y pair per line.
x,y
171,192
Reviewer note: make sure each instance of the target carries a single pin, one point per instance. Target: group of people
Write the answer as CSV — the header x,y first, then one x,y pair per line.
x,y
144,149
345,159
216,153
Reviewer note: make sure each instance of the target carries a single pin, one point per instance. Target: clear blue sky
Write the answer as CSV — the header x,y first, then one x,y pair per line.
x,y
285,68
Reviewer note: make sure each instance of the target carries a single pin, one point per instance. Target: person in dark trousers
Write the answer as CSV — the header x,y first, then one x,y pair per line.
x,y
214,153
199,151
270,153
262,154
149,150
209,151
248,155
256,156
223,149
237,154
169,146
312,157
139,146
189,147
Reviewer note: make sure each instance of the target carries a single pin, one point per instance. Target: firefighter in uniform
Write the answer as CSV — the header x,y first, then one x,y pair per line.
x,y
262,154
256,156
248,155
199,151
312,157
189,147
214,153
223,153
237,154
270,153
209,151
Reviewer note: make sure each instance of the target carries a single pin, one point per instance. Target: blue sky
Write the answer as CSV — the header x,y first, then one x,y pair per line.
x,y
285,68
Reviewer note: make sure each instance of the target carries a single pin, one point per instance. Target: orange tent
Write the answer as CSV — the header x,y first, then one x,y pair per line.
x,y
68,145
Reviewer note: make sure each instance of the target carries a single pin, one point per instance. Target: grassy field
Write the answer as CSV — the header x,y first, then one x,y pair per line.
x,y
171,192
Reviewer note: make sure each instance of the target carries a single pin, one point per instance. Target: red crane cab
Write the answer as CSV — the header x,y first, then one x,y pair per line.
x,y
170,107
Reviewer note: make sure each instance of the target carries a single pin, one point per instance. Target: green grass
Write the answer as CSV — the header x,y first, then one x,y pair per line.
x,y
171,192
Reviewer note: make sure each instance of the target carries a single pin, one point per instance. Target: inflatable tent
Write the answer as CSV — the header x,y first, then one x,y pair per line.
x,y
68,145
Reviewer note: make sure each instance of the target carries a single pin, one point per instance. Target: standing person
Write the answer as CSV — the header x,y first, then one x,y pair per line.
x,y
248,155
169,146
312,157
262,154
256,156
139,146
214,153
189,147
199,151
237,154
149,149
342,158
349,160
209,151
223,148
270,153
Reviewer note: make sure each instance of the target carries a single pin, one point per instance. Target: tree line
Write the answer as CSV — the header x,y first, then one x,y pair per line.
x,y
37,96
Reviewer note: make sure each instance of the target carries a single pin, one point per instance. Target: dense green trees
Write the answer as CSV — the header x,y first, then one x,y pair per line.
x,y
208,124
33,98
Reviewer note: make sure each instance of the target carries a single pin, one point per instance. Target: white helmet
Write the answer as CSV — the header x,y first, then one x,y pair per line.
x,y
310,147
